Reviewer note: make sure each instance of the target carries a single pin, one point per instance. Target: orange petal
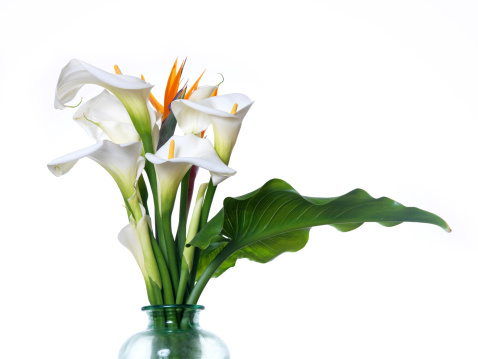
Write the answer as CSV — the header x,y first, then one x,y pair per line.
x,y
156,103
172,91
117,70
172,76
194,87
215,92
175,85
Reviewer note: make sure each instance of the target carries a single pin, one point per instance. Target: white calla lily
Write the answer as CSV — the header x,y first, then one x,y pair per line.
x,y
123,162
135,237
105,117
129,238
194,123
195,117
202,92
188,150
142,230
131,91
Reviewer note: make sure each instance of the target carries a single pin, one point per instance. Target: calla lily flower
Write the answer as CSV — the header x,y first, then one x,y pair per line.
x,y
176,157
225,113
202,93
131,91
135,237
129,238
123,162
105,117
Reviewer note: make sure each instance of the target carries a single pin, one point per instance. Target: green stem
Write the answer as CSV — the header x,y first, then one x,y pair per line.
x,y
183,281
170,249
211,190
155,291
162,244
163,272
209,272
143,191
183,216
194,268
206,207
153,181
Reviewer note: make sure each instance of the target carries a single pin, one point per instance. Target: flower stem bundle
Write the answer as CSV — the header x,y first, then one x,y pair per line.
x,y
137,144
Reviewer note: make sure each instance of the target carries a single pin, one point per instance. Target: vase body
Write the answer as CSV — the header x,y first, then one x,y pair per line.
x,y
173,332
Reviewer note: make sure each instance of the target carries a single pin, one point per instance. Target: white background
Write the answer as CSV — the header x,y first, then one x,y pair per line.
x,y
380,95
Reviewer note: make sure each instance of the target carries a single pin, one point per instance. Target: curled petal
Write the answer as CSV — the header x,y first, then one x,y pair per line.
x,y
202,93
78,73
135,237
189,150
105,116
129,238
131,91
151,265
123,162
194,117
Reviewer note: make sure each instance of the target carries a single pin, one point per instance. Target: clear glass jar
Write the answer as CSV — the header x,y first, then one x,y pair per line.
x,y
173,332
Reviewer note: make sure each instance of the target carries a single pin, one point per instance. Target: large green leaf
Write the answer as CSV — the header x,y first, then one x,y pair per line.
x,y
276,219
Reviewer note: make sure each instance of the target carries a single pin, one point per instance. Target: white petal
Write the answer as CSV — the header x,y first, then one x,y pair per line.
x,y
106,115
135,237
226,128
190,117
78,73
202,93
218,178
152,115
151,265
192,150
155,134
194,117
121,161
221,105
139,167
131,91
170,175
189,150
129,238
226,131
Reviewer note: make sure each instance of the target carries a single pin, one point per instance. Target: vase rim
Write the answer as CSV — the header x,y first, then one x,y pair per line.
x,y
174,306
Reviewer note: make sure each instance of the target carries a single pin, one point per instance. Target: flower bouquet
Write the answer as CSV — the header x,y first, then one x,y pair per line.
x,y
138,147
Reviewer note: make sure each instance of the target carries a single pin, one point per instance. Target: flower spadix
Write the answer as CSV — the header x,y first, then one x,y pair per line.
x,y
133,92
176,157
225,113
123,162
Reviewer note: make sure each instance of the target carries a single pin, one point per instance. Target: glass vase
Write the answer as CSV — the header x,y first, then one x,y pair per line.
x,y
173,332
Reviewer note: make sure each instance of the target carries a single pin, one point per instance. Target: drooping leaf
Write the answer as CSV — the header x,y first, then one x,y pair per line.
x,y
276,219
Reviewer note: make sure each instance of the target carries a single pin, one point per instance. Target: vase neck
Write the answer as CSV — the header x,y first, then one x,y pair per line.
x,y
182,317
